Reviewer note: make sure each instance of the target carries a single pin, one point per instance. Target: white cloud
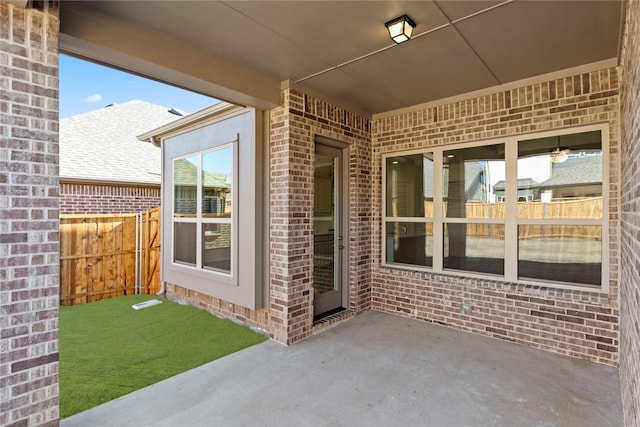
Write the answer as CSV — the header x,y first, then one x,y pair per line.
x,y
93,98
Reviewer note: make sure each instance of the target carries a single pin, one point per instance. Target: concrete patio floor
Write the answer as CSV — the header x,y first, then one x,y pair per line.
x,y
377,370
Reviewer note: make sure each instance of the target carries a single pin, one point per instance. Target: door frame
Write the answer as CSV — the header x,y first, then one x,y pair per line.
x,y
344,219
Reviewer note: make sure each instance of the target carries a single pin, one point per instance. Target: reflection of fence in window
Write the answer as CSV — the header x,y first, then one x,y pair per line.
x,y
536,231
478,210
539,231
557,209
562,209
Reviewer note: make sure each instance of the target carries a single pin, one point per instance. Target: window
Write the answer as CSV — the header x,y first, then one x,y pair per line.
x,y
409,203
560,226
473,222
212,232
525,209
202,209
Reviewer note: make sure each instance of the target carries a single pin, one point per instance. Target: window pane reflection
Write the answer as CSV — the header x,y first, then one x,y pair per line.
x,y
217,170
474,247
216,247
561,177
409,189
409,243
560,253
470,177
184,243
185,187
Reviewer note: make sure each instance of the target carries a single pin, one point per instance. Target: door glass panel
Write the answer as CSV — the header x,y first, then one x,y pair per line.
x,y
324,224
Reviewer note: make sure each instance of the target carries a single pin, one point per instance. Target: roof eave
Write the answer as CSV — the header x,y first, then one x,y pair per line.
x,y
123,183
153,135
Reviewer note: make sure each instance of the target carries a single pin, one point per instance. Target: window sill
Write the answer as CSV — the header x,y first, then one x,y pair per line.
x,y
552,286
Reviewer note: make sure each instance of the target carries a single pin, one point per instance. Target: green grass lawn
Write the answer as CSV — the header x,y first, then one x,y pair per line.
x,y
108,349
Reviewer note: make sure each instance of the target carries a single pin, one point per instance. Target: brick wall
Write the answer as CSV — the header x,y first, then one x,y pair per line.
x,y
630,219
293,131
256,319
294,125
101,199
29,213
579,324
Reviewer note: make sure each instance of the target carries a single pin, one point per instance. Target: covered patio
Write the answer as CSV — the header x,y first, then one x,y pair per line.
x,y
377,370
409,159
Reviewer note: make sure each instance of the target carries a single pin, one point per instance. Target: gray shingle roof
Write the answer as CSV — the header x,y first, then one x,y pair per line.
x,y
523,184
185,175
102,145
576,170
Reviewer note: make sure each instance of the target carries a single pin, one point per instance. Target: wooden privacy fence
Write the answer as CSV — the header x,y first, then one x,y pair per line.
x,y
103,256
558,209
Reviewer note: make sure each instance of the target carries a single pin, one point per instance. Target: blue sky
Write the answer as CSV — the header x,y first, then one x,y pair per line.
x,y
85,86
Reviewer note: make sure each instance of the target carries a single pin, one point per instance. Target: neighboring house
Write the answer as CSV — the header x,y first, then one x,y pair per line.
x,y
485,81
475,181
476,184
579,176
526,189
104,168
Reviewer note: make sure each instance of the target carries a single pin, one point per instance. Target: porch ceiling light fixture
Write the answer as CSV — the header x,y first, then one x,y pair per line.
x,y
400,28
559,154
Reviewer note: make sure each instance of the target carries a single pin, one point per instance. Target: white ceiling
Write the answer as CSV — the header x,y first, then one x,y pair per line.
x,y
342,49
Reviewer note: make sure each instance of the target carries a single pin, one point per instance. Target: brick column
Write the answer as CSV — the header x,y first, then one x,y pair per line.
x,y
630,218
291,292
29,242
294,127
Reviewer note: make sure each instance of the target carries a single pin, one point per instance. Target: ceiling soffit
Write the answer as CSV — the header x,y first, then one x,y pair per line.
x,y
342,49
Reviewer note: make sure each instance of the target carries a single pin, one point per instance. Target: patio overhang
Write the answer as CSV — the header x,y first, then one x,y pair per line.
x,y
241,51
138,49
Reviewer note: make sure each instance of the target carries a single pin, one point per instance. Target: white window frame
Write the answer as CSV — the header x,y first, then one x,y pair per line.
x,y
231,277
511,221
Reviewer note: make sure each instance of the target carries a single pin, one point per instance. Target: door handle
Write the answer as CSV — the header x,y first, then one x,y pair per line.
x,y
340,243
